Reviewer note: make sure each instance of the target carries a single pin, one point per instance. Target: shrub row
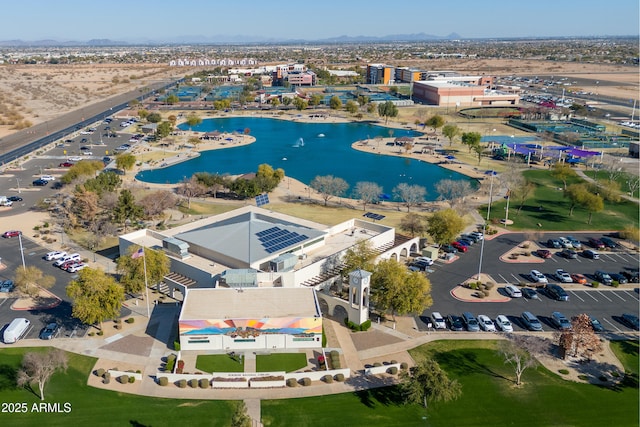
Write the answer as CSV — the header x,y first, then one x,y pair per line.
x,y
355,327
334,356
171,362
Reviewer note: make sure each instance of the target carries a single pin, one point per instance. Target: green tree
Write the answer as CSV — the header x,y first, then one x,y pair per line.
x,y
132,270
287,101
427,382
80,169
240,417
154,118
31,279
316,99
443,226
592,203
351,107
127,209
363,100
164,129
367,192
576,193
143,114
479,150
193,120
413,224
471,139
563,172
267,178
172,99
397,290
125,161
409,195
300,104
38,367
275,102
361,256
386,110
335,103
451,132
96,296
329,186
436,122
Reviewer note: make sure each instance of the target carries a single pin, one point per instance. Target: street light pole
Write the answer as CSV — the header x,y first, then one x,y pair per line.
x,y
484,230
22,251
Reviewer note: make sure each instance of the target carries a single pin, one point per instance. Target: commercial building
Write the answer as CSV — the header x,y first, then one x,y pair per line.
x,y
380,74
460,93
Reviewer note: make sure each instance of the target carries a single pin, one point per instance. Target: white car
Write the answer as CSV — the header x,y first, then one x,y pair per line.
x,y
50,256
87,153
566,243
503,323
563,276
486,324
74,159
424,259
513,291
66,259
438,320
538,277
76,267
47,178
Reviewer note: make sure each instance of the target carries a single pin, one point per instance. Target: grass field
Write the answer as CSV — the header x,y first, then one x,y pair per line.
x,y
622,180
95,407
287,362
218,363
627,353
554,215
489,398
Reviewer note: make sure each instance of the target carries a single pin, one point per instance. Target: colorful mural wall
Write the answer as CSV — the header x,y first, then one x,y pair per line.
x,y
245,328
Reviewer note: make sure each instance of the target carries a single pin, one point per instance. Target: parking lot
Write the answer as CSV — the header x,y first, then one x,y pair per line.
x,y
605,303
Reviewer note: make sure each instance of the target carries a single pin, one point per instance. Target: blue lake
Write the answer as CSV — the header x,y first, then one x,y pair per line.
x,y
304,151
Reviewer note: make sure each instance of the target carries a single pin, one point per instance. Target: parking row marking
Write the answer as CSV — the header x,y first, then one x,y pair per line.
x,y
576,295
604,296
617,294
612,324
632,294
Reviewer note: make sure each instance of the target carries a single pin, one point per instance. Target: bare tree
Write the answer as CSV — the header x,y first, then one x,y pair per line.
x,y
31,279
367,192
155,203
39,367
633,184
519,352
329,186
409,195
453,190
413,224
191,188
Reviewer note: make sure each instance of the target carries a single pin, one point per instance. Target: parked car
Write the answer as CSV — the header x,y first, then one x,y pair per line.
x,y
6,286
631,320
438,320
556,292
7,203
603,277
503,323
632,276
10,234
590,253
76,267
529,293
486,324
537,277
554,244
575,242
563,276
512,291
50,256
73,257
50,331
471,237
74,159
455,322
544,253
424,259
531,322
449,249
566,243
478,235
579,278
470,322
459,247
595,243
617,277
596,325
560,321
40,182
14,198
568,254
609,243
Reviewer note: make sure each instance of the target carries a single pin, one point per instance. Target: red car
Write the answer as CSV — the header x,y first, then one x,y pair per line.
x,y
65,165
9,234
459,246
544,253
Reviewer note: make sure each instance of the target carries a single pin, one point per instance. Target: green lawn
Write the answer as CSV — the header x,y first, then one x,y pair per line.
x,y
489,398
554,215
219,363
287,362
95,407
627,353
623,179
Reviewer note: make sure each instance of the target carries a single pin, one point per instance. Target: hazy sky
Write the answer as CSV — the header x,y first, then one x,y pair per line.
x,y
129,20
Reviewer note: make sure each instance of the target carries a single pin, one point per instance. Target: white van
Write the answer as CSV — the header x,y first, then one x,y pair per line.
x,y
16,329
438,321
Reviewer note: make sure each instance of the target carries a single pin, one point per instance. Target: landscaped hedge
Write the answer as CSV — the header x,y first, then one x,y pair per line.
x,y
306,381
181,383
327,379
163,381
132,379
268,378
130,320
355,327
203,383
193,383
99,372
171,362
335,359
291,382
392,370
106,378
404,366
123,379
339,377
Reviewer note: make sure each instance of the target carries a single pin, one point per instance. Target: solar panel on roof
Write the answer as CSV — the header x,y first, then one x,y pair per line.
x,y
262,199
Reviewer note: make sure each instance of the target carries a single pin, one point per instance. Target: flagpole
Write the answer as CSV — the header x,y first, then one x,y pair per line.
x,y
146,284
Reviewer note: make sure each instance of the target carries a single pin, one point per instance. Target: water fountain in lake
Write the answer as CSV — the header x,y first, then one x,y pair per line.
x,y
299,143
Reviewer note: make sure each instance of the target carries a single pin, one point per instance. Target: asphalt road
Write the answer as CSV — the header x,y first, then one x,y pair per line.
x,y
604,303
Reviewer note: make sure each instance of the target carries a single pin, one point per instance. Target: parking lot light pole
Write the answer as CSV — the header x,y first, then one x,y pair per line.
x,y
18,183
21,251
484,230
